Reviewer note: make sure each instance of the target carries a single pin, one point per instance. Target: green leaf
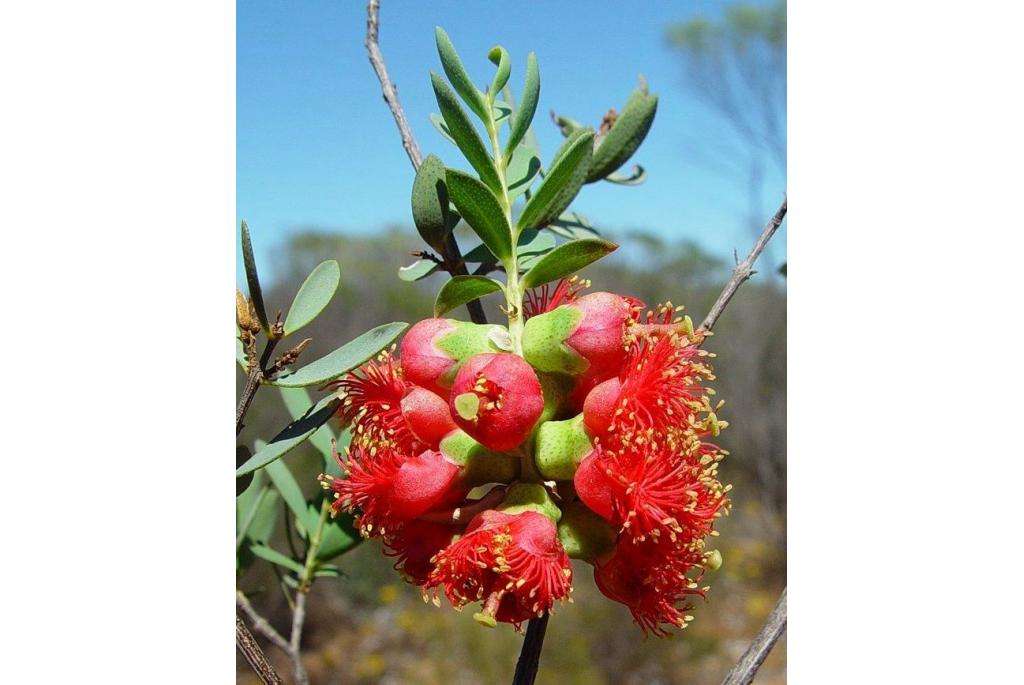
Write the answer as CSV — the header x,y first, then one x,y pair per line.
x,y
343,359
482,211
626,134
248,504
328,571
562,182
527,106
637,176
533,245
782,269
438,121
572,225
456,73
292,436
273,556
255,292
339,536
465,134
430,202
418,270
501,111
462,289
522,169
292,495
499,57
315,293
566,259
297,401
566,125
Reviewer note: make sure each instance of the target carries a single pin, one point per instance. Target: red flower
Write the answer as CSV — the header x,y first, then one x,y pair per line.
x,y
653,489
427,416
513,563
544,299
653,581
389,488
497,399
414,544
433,349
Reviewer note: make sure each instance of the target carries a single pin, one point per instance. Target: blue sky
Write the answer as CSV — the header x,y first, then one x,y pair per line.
x,y
316,145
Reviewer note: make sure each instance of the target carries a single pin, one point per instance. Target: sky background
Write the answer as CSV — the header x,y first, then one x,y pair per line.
x,y
317,146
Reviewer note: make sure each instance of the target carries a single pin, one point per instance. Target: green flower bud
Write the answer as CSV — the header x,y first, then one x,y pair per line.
x,y
584,534
713,560
560,447
544,344
479,464
530,497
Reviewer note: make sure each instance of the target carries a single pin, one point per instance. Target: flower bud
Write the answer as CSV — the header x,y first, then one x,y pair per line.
x,y
583,337
433,350
427,415
560,447
584,534
496,399
530,497
478,464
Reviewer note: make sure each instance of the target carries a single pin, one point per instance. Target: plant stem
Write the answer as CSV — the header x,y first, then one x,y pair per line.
x,y
529,657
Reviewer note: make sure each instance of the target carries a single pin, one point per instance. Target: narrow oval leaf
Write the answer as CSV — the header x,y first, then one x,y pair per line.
x,y
297,401
275,557
522,170
637,176
339,536
573,225
343,359
292,436
501,111
418,270
562,182
479,255
462,289
527,106
292,495
438,121
430,202
499,57
457,74
480,209
464,133
253,279
533,245
315,294
567,259
627,133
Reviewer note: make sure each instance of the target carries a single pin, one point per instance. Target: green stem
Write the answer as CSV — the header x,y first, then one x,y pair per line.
x,y
309,570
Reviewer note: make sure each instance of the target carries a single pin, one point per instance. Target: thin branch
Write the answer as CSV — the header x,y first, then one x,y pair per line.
x,y
452,255
298,618
262,625
745,670
248,646
744,270
529,657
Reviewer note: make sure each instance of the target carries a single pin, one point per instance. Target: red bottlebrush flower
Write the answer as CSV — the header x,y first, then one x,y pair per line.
x,y
433,349
654,489
513,563
497,399
414,544
654,581
373,404
543,299
659,387
427,416
389,488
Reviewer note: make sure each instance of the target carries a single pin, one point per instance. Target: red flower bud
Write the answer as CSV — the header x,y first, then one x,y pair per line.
x,y
433,349
414,544
513,563
427,416
497,399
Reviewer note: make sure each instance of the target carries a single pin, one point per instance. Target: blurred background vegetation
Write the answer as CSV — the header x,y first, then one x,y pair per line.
x,y
370,627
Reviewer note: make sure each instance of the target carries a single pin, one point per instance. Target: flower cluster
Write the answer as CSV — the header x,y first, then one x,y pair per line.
x,y
484,472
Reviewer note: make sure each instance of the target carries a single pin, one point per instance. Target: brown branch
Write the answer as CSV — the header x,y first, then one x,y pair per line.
x,y
249,648
744,270
745,670
298,618
451,254
529,657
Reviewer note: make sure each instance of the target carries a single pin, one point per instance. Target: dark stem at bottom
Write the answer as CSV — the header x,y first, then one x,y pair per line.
x,y
248,646
529,658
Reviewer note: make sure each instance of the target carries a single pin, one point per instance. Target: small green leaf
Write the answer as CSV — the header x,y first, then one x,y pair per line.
x,y
566,125
533,245
522,170
292,436
572,225
339,536
343,359
248,503
626,134
273,556
464,133
562,182
527,106
255,292
430,202
314,294
462,289
637,176
501,111
297,401
328,571
292,495
482,211
456,73
418,270
566,259
499,57
438,121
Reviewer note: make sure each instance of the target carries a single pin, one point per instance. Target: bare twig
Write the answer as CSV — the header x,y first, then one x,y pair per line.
x,y
744,270
248,646
260,624
451,254
529,657
745,670
298,618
